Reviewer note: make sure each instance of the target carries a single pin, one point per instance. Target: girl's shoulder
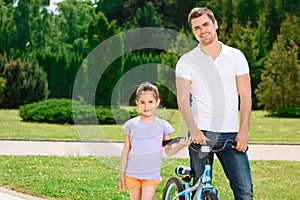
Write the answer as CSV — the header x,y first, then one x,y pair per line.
x,y
161,121
133,120
137,118
139,122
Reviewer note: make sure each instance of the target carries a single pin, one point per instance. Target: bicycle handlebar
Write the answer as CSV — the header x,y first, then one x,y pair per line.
x,y
171,141
210,143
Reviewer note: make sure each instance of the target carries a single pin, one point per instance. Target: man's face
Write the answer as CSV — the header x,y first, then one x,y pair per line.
x,y
204,29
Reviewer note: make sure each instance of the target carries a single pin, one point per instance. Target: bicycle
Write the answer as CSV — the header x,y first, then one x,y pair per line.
x,y
175,189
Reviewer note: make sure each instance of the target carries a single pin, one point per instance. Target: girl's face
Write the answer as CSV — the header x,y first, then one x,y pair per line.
x,y
147,104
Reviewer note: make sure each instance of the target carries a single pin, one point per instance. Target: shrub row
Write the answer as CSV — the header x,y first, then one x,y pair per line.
x,y
293,112
66,111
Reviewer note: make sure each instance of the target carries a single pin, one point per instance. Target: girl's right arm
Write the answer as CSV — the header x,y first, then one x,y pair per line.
x,y
124,157
170,150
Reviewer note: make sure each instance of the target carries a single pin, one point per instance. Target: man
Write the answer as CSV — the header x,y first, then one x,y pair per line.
x,y
215,77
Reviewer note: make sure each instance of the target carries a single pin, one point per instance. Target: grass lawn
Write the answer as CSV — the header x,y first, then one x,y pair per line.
x,y
90,178
97,178
262,128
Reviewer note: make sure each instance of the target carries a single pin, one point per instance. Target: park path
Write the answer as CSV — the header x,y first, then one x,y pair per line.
x,y
257,151
6,194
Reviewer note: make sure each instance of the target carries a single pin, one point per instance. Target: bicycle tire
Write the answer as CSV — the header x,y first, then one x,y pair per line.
x,y
197,192
209,196
206,195
173,187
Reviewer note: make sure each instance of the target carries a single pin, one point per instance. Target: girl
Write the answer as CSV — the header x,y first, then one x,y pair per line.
x,y
142,153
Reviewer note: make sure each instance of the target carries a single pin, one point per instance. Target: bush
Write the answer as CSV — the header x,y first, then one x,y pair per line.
x,y
107,115
2,88
104,115
57,111
133,113
293,112
63,111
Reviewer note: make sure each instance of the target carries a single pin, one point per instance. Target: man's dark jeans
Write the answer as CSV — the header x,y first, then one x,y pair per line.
x,y
235,165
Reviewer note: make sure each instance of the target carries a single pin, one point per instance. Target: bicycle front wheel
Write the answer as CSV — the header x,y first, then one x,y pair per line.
x,y
173,187
209,196
206,195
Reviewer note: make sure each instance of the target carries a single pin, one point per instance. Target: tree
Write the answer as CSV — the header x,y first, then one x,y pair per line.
x,y
28,30
7,27
247,11
25,83
253,42
291,23
40,21
182,44
75,17
58,79
146,16
22,22
71,72
274,18
249,45
223,13
291,7
176,12
138,67
112,10
100,29
256,67
280,85
224,16
3,62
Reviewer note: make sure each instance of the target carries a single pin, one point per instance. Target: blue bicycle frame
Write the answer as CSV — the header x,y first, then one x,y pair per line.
x,y
206,183
205,180
203,187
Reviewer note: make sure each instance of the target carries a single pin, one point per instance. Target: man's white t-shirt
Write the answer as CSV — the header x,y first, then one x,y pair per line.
x,y
213,87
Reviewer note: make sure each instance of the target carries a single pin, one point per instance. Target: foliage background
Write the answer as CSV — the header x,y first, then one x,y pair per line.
x,y
54,45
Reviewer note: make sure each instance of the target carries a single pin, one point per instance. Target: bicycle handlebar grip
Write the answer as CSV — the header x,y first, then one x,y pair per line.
x,y
211,144
166,142
171,141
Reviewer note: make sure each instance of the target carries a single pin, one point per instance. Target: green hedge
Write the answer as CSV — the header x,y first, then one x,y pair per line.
x,y
293,112
107,115
62,111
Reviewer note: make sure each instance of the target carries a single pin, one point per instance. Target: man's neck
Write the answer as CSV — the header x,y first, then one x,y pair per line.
x,y
213,49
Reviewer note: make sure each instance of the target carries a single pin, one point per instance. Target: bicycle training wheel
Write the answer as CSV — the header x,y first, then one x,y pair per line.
x,y
173,187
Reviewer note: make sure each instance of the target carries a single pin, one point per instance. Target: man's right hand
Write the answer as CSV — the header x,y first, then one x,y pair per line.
x,y
198,137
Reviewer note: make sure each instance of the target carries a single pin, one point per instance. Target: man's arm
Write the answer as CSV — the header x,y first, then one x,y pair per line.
x,y
183,99
244,90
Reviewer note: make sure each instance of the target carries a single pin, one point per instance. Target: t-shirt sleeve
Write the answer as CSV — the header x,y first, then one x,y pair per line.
x,y
168,129
242,66
183,69
127,126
